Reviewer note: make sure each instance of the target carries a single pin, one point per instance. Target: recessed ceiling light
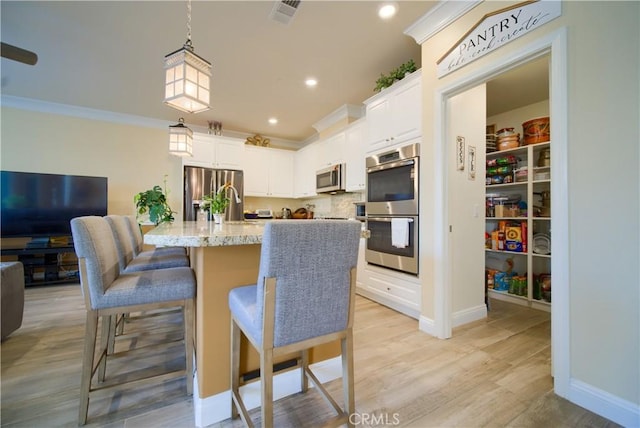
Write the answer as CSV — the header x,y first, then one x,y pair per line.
x,y
387,10
311,82
273,121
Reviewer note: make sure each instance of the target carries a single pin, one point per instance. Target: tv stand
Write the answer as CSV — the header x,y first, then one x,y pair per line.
x,y
46,261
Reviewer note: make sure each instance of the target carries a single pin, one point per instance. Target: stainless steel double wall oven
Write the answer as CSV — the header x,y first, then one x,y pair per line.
x,y
392,208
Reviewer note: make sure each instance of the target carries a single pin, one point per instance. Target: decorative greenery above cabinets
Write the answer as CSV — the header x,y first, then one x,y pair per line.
x,y
395,75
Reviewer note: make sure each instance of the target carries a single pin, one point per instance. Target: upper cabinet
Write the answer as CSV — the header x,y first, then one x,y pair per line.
x,y
346,147
355,150
304,185
395,115
331,151
268,172
210,151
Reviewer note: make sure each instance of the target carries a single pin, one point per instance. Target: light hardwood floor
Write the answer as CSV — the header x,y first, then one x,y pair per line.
x,y
493,373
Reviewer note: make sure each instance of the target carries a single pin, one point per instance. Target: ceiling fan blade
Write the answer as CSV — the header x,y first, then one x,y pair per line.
x,y
18,54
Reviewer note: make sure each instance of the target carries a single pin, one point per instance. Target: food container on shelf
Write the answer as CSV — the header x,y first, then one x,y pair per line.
x,y
544,283
505,132
521,174
541,244
491,143
536,130
542,174
508,144
544,158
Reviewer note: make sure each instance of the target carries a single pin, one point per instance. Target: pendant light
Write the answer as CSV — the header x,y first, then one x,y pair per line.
x,y
180,139
187,77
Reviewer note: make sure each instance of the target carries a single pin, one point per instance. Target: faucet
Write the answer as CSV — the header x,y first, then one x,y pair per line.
x,y
229,186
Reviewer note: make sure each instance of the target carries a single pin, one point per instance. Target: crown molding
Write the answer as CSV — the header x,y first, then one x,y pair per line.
x,y
31,104
438,18
344,112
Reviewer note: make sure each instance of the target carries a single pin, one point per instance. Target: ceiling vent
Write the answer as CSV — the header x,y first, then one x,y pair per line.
x,y
284,10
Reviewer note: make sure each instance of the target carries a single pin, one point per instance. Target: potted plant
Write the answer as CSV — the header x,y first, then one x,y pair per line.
x,y
395,75
154,203
216,203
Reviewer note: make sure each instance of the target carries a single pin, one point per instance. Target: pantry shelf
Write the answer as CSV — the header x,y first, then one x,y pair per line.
x,y
519,253
518,212
507,185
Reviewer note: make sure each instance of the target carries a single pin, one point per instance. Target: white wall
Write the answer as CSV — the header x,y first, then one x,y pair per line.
x,y
466,118
603,152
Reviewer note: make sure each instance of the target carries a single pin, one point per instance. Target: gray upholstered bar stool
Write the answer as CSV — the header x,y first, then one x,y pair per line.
x,y
108,292
127,259
138,241
304,297
129,262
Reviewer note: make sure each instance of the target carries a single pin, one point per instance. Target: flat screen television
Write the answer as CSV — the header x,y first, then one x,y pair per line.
x,y
34,204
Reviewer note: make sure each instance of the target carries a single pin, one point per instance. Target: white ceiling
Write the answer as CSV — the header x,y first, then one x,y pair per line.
x,y
518,87
108,55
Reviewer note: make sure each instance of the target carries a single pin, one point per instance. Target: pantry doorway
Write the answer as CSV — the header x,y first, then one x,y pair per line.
x,y
448,284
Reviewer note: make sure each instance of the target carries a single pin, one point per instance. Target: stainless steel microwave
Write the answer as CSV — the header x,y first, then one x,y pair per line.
x,y
331,179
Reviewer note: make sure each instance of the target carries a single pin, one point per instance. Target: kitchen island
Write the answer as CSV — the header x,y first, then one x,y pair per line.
x,y
223,257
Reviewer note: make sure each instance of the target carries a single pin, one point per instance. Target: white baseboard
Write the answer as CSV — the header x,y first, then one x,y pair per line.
x,y
604,404
217,408
469,315
427,325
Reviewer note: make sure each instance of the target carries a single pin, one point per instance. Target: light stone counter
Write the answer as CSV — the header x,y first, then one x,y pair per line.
x,y
209,234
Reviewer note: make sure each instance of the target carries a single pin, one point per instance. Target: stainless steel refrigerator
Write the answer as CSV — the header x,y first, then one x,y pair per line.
x,y
203,181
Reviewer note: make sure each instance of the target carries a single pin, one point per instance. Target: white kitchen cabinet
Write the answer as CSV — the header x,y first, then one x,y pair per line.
x,y
304,172
268,172
228,153
395,114
355,149
396,290
331,151
210,151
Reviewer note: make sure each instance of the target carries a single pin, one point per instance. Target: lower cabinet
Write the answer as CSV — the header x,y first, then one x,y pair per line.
x,y
396,290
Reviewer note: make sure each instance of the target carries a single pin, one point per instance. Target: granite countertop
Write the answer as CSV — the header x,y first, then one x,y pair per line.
x,y
193,234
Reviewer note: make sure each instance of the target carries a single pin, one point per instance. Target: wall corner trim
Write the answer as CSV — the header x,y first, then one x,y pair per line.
x,y
438,18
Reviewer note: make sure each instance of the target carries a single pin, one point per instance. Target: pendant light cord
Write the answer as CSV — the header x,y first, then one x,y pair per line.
x,y
188,43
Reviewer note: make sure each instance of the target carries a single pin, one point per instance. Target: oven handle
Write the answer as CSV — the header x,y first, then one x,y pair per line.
x,y
387,219
391,165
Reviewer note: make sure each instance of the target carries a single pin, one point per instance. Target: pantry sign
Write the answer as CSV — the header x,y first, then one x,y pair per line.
x,y
495,30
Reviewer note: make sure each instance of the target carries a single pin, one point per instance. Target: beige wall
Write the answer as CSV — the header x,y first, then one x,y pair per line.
x,y
133,158
603,153
516,117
